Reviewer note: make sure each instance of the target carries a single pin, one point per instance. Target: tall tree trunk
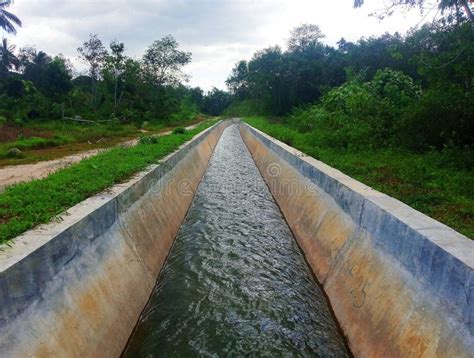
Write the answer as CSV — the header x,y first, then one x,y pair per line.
x,y
115,94
120,99
93,92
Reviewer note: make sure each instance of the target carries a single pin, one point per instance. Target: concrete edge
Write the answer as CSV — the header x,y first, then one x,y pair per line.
x,y
26,243
451,241
436,256
79,290
57,240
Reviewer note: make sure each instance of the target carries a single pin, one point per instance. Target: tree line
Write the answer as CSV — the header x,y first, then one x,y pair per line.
x,y
35,85
414,91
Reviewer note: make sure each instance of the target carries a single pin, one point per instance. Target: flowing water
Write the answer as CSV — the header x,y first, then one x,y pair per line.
x,y
235,282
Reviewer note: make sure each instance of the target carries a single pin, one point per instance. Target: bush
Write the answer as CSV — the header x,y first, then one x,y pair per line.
x,y
347,117
395,87
360,115
148,140
14,153
442,117
179,130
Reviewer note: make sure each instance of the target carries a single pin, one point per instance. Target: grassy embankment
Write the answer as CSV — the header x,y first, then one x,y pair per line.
x,y
48,140
26,205
427,182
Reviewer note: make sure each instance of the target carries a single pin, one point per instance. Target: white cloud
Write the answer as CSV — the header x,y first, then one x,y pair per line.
x,y
218,32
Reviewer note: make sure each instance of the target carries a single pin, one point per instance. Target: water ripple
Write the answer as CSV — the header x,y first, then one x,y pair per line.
x,y
235,283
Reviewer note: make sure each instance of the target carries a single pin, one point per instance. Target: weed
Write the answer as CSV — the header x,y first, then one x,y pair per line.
x,y
426,181
148,140
14,153
179,130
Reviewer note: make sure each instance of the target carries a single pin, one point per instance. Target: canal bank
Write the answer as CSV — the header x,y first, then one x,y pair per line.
x,y
399,283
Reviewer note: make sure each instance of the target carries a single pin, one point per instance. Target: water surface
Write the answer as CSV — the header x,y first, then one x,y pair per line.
x,y
235,283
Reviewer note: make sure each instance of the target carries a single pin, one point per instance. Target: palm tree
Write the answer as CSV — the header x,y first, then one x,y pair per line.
x,y
8,21
8,60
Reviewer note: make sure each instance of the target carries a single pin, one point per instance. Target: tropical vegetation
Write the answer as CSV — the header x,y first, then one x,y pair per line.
x,y
36,86
395,111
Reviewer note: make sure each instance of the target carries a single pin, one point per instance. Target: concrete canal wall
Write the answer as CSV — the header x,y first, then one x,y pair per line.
x,y
76,288
400,283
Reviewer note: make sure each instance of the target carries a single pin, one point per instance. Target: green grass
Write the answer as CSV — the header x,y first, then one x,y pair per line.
x,y
36,136
61,133
428,182
79,132
24,206
35,143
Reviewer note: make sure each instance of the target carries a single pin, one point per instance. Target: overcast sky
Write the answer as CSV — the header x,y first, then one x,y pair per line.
x,y
217,32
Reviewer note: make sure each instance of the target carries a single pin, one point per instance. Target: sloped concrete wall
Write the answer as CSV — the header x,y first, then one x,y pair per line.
x,y
400,283
76,288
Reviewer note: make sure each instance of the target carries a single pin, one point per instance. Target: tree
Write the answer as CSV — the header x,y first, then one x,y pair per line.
x,y
216,101
445,54
8,60
238,80
306,70
268,73
304,36
163,62
197,95
115,66
58,76
8,21
94,53
33,64
26,55
455,5
52,77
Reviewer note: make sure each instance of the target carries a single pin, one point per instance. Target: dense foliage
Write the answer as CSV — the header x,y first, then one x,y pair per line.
x,y
395,112
35,85
414,92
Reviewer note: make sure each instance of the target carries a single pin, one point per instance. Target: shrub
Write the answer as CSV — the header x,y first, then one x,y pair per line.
x,y
395,87
148,140
360,115
14,153
347,117
442,117
179,130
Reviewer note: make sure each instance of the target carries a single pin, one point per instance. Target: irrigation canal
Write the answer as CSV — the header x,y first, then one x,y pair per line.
x,y
235,282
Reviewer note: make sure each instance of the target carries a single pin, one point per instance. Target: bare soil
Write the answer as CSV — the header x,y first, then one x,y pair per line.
x,y
11,133
13,174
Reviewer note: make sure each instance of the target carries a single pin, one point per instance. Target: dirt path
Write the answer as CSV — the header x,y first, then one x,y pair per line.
x,y
26,172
